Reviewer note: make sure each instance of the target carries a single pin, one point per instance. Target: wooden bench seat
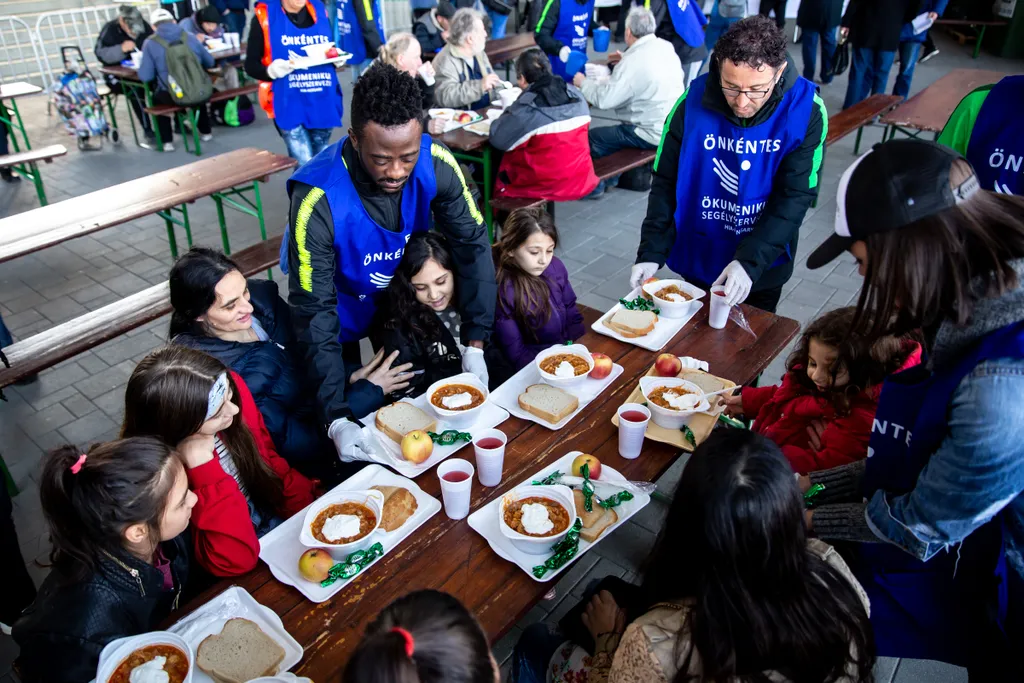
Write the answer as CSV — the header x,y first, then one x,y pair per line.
x,y
41,351
859,115
218,96
47,154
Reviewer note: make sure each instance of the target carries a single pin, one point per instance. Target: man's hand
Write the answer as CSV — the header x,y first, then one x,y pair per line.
x,y
128,46
379,371
473,361
564,53
615,57
349,441
814,432
491,81
279,68
733,404
578,79
933,15
603,615
736,282
641,272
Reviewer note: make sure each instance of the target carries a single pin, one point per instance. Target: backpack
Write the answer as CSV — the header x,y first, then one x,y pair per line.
x,y
188,83
732,9
237,111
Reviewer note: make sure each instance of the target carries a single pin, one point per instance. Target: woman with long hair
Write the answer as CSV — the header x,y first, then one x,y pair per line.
x,y
536,303
733,591
192,402
937,504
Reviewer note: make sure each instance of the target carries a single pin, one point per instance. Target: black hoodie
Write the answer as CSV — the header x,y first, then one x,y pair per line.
x,y
794,189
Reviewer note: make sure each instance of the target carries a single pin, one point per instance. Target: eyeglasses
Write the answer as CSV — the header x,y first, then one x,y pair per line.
x,y
754,95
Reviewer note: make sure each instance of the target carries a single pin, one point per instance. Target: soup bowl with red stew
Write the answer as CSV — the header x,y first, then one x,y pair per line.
x,y
343,522
675,298
672,400
534,518
120,657
458,401
563,366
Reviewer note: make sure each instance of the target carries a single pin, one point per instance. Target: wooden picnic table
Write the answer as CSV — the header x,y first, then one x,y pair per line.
x,y
10,114
223,178
474,148
930,109
448,555
508,48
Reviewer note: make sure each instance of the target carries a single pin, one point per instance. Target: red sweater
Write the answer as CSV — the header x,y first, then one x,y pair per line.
x,y
783,414
224,537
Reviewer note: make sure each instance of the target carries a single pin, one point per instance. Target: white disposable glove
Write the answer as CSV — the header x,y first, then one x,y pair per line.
x,y
349,440
641,272
564,53
279,68
736,283
473,361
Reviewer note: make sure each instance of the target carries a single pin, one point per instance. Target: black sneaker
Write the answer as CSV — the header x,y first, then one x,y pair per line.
x,y
148,140
8,177
928,55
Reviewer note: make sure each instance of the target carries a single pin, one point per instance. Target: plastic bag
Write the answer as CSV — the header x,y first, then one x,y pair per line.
x,y
736,315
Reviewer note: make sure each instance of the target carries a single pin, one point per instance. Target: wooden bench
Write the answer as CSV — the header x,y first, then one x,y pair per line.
x,y
981,25
232,178
181,113
859,115
26,164
44,350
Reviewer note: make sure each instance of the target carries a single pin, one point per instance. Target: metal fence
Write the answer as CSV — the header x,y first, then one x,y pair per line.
x,y
20,57
71,27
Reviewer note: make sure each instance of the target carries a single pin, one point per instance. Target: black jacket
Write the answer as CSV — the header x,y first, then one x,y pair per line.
x,y
62,633
313,311
254,47
876,24
274,373
428,34
437,354
793,192
108,42
547,22
819,15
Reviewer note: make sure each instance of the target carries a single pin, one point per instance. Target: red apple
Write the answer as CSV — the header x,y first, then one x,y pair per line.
x,y
589,460
417,446
464,117
314,564
667,365
648,281
332,53
602,366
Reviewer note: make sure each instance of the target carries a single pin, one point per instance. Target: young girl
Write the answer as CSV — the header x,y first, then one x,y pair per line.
x,y
115,514
245,489
424,637
822,412
536,305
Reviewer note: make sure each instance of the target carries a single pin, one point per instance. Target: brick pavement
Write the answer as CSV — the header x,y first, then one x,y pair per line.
x,y
80,401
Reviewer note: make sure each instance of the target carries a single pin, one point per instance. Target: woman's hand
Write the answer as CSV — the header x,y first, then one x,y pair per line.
x,y
379,371
815,430
196,450
436,126
603,615
803,482
733,404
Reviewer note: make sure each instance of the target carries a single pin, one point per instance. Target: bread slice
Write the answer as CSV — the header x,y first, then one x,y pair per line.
x,y
398,419
549,403
594,522
399,505
708,383
239,653
632,324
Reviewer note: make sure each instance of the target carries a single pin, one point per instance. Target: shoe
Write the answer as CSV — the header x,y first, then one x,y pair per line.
x,y
9,177
168,146
148,140
206,137
597,191
928,55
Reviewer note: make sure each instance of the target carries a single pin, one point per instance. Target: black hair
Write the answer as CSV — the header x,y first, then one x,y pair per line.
x,y
445,9
400,309
448,645
387,97
754,41
208,14
119,484
735,544
193,283
533,65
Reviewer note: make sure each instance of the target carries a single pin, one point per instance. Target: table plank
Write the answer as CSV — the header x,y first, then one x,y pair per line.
x,y
18,89
503,49
929,109
447,555
43,227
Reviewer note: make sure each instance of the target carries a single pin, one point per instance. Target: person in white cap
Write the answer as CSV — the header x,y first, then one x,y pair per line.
x,y
937,506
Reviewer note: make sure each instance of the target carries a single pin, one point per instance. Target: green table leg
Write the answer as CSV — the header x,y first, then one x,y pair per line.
x,y
236,199
488,188
37,180
223,223
259,215
20,126
170,221
977,43
856,144
170,236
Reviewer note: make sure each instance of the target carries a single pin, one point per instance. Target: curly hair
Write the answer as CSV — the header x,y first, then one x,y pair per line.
x,y
754,41
386,96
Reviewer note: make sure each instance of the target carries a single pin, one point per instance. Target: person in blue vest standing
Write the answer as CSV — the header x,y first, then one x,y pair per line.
x,y
936,507
305,104
360,31
233,13
353,208
985,127
911,43
682,22
736,170
561,30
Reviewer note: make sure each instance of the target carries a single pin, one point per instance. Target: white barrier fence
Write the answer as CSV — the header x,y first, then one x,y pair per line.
x,y
71,28
20,57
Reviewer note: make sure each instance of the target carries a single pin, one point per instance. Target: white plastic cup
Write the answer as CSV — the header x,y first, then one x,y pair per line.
x,y
455,494
426,72
631,434
233,39
718,316
490,461
507,97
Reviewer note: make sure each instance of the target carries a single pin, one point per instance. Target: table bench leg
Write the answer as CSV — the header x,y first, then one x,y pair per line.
x,y
37,180
977,43
170,221
193,117
236,199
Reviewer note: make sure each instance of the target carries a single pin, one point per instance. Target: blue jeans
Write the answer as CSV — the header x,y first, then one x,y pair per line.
x,y
809,43
5,336
533,653
498,23
869,74
909,52
305,143
235,21
610,139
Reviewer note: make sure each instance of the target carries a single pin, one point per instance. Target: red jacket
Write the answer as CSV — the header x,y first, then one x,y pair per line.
x,y
783,414
224,537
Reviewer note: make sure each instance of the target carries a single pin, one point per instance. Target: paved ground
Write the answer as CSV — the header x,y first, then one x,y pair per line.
x,y
80,401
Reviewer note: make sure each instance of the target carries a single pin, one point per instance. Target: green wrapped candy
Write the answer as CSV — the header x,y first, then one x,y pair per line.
x,y
549,480
450,437
640,304
564,551
353,564
616,500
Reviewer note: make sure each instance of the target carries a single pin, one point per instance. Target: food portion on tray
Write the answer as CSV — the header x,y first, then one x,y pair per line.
x,y
652,314
454,118
241,652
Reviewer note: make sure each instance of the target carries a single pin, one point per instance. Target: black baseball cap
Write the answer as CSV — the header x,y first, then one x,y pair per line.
x,y
445,9
894,185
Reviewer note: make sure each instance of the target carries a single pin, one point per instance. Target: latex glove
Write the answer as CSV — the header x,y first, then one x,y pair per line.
x,y
473,361
564,53
641,272
736,283
349,440
690,363
279,68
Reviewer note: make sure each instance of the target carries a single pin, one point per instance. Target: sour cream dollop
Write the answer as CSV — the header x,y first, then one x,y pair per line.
x,y
150,672
340,526
457,401
535,519
682,401
565,370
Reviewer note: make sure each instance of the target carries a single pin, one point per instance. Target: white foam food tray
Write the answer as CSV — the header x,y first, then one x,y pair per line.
x,y
507,395
664,330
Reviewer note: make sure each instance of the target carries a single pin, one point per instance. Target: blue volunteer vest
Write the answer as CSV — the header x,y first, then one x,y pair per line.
x,y
725,177
687,19
996,149
350,34
573,24
366,255
925,610
310,98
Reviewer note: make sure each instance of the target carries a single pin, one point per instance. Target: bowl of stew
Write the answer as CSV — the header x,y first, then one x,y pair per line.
x,y
343,522
666,399
675,298
563,366
120,657
458,400
534,518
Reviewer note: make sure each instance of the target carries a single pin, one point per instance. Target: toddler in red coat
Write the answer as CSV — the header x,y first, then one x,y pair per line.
x,y
822,412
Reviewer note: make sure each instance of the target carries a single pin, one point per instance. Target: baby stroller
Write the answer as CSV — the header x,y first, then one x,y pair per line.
x,y
78,102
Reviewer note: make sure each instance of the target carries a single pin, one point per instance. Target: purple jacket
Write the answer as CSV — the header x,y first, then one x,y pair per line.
x,y
565,323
